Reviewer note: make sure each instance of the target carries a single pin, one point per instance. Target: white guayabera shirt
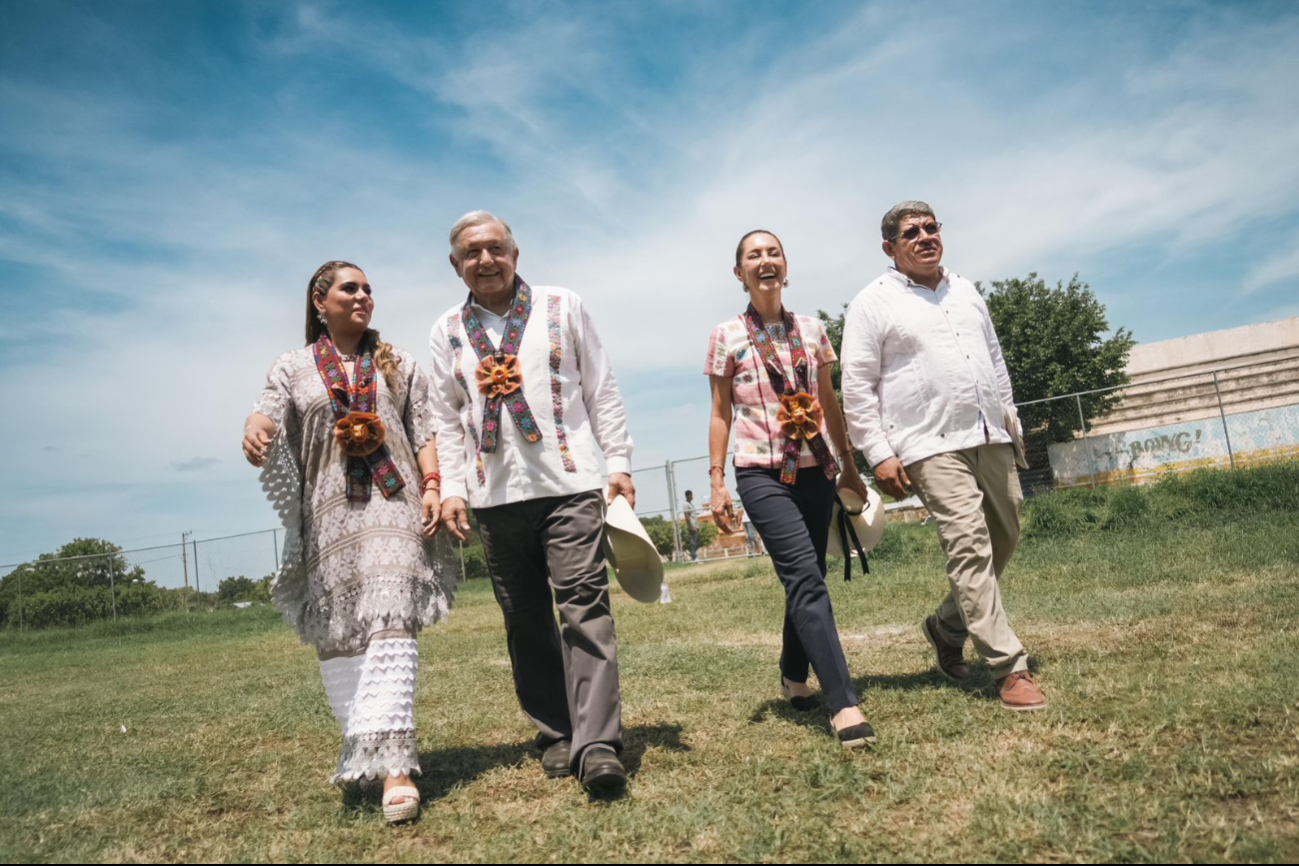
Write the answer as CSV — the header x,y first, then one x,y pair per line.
x,y
923,372
570,388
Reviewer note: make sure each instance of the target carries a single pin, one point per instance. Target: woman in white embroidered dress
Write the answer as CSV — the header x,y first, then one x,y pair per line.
x,y
770,377
359,576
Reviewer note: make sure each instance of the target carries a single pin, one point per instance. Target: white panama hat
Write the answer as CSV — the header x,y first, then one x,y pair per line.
x,y
635,561
867,520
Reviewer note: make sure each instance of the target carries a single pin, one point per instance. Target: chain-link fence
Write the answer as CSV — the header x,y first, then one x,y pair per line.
x,y
1228,417
1225,417
105,583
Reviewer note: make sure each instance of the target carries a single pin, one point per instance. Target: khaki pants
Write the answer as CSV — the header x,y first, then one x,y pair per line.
x,y
975,497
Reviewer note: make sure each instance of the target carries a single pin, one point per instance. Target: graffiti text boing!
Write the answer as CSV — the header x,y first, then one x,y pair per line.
x,y
1182,442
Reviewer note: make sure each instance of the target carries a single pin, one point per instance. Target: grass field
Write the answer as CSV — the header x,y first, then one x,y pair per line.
x,y
1164,640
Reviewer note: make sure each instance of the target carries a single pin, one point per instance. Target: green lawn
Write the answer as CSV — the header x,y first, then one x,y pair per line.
x,y
1167,650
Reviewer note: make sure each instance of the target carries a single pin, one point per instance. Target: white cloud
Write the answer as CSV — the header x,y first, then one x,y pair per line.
x,y
633,196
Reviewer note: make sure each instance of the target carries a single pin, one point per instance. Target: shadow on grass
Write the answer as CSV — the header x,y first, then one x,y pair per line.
x,y
447,769
980,684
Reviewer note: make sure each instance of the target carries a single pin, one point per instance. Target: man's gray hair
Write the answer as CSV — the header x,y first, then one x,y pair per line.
x,y
892,221
477,218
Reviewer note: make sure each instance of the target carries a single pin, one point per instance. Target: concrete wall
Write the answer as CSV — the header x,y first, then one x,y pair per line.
x,y
1216,348
1132,456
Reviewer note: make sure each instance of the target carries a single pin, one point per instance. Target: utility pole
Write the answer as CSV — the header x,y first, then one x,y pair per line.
x,y
184,560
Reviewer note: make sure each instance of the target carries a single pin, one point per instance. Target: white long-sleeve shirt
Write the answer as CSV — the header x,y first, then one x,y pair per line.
x,y
570,388
923,372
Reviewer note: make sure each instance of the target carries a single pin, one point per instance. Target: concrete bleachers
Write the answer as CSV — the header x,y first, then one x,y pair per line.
x,y
1173,381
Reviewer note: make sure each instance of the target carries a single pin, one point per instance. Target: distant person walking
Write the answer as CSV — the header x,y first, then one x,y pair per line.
x,y
344,435
929,402
770,373
692,525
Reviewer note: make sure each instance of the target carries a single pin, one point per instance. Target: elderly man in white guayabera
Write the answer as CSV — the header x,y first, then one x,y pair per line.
x,y
928,401
527,395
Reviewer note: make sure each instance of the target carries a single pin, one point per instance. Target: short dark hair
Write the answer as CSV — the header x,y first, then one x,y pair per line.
x,y
739,248
892,221
690,493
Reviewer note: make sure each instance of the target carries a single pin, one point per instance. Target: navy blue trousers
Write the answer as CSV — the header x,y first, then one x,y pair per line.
x,y
794,523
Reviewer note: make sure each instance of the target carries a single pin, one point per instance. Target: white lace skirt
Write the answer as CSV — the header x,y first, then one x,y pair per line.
x,y
373,698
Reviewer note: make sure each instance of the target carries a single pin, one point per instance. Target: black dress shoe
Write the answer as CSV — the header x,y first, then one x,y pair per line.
x,y
802,703
555,759
602,773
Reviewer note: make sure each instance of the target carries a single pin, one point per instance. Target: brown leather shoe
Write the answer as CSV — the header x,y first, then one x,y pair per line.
x,y
951,659
1020,693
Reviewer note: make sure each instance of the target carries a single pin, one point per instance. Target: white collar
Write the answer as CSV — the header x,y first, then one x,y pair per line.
x,y
908,283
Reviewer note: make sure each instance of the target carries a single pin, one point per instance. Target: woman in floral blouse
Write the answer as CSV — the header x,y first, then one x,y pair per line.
x,y
770,371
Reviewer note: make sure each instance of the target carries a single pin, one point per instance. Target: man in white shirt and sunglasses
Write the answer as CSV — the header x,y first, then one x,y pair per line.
x,y
928,401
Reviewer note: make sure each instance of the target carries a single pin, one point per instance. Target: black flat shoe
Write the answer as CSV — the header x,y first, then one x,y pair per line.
x,y
802,703
858,736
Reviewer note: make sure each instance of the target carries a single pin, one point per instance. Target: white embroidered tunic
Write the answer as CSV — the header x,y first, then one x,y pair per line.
x,y
570,387
349,569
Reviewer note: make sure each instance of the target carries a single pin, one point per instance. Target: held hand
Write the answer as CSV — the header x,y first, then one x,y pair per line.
x,y
431,512
723,510
455,517
620,485
256,441
892,478
850,479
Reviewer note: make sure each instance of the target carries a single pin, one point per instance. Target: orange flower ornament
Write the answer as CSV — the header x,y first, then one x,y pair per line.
x,y
498,375
360,434
800,416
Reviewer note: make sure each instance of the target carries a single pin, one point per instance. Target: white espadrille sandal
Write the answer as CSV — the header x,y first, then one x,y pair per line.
x,y
395,813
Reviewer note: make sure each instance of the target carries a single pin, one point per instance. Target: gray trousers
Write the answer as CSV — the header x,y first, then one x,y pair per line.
x,y
566,675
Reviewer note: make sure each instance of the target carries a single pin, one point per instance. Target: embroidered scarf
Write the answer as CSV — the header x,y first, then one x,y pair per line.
x,y
504,362
800,413
351,399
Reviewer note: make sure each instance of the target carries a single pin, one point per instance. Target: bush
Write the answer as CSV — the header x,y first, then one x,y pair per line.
x,y
240,588
476,562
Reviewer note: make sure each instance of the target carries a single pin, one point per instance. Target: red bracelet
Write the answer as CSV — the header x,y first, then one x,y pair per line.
x,y
434,477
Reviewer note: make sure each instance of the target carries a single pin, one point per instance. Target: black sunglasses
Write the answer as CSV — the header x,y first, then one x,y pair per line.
x,y
929,228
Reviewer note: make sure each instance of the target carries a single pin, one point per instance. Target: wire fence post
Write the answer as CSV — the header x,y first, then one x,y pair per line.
x,y
21,624
112,583
1231,455
1090,454
672,510
275,540
196,586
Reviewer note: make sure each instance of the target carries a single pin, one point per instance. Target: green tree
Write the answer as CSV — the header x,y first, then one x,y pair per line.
x,y
80,582
1054,341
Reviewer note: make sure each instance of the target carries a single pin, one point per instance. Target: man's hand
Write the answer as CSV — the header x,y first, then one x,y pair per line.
x,y
892,478
455,517
620,485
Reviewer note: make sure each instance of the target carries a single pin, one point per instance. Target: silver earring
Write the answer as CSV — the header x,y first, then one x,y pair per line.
x,y
321,316
785,285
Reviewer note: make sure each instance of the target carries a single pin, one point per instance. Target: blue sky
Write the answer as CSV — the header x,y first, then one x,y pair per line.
x,y
172,173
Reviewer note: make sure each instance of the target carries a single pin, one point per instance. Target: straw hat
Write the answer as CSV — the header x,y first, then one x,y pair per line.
x,y
867,520
631,553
